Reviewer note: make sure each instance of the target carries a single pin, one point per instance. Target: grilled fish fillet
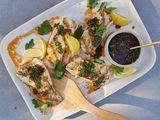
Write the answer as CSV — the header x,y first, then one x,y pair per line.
x,y
36,76
102,72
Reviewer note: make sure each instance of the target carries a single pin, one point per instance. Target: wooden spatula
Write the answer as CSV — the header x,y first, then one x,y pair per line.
x,y
73,99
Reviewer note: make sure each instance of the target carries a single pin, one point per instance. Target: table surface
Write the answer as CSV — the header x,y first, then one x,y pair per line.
x,y
138,101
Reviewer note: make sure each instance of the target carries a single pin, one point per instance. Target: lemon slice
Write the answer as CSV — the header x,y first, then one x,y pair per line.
x,y
126,72
119,20
28,58
73,43
32,53
42,46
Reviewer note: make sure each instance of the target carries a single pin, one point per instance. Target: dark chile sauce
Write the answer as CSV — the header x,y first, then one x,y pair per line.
x,y
119,48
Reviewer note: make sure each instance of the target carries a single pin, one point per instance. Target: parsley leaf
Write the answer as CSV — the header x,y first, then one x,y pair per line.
x,y
87,70
61,29
104,8
117,69
99,80
100,30
59,47
78,33
92,3
29,45
109,10
45,28
59,69
96,41
41,105
35,91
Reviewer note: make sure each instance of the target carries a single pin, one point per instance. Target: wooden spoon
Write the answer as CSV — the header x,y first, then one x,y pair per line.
x,y
145,45
73,99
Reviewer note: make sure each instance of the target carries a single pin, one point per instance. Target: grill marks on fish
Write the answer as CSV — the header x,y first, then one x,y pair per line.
x,y
87,37
52,53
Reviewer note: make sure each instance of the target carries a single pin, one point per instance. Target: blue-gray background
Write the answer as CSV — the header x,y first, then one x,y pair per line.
x,y
138,101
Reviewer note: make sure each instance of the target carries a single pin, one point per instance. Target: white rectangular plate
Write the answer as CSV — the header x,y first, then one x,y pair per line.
x,y
75,9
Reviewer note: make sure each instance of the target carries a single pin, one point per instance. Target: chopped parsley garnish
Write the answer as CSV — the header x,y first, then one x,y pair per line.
x,y
97,30
117,69
35,91
96,41
109,9
35,72
45,28
87,70
56,24
78,33
29,45
60,28
99,61
59,47
41,105
104,8
92,3
100,80
59,69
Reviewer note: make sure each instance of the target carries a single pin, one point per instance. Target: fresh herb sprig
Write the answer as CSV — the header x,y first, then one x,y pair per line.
x,y
97,30
40,104
36,72
60,28
29,45
78,33
92,3
59,69
45,28
59,47
87,70
106,9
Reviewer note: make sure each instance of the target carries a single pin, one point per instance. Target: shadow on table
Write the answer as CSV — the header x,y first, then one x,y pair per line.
x,y
150,18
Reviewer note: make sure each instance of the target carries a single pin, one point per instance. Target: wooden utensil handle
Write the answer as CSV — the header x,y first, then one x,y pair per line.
x,y
102,114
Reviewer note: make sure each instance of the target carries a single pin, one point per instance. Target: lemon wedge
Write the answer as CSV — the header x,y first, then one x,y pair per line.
x,y
32,53
126,72
73,43
119,20
42,46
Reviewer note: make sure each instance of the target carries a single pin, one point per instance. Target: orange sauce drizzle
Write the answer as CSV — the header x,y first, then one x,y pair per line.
x,y
103,53
12,47
52,20
16,58
89,11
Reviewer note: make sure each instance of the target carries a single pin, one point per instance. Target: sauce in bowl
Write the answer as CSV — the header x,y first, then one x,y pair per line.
x,y
119,48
